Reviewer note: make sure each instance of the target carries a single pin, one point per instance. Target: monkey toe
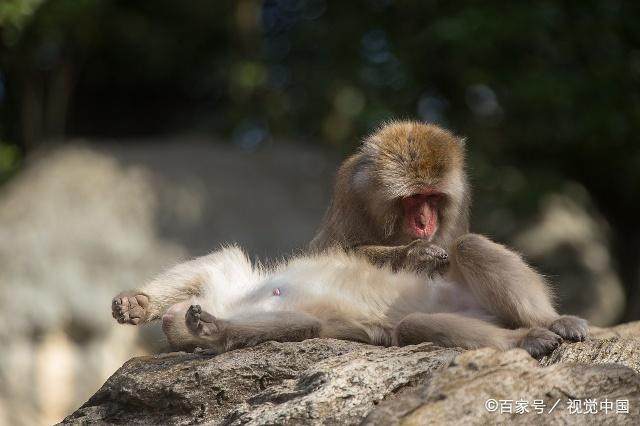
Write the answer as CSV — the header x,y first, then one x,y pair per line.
x,y
192,318
571,328
200,322
540,341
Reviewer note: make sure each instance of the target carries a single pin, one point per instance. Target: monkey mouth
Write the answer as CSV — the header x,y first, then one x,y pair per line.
x,y
421,214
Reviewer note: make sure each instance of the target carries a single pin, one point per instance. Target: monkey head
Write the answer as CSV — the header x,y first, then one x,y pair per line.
x,y
406,182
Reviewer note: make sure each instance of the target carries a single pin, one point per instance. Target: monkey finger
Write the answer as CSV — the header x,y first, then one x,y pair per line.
x,y
124,303
207,317
192,318
135,321
121,308
118,311
133,304
115,303
142,300
136,312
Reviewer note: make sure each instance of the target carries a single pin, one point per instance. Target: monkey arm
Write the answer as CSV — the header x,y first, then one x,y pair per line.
x,y
454,330
393,256
509,288
418,256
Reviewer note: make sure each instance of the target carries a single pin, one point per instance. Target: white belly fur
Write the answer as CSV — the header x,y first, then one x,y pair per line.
x,y
345,284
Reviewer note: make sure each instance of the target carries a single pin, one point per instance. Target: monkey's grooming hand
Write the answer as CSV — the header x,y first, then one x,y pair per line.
x,y
130,307
571,328
425,257
539,342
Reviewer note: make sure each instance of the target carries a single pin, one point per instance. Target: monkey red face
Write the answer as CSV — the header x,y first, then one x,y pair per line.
x,y
421,214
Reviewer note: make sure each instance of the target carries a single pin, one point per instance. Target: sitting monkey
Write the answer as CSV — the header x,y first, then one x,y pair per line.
x,y
405,187
400,201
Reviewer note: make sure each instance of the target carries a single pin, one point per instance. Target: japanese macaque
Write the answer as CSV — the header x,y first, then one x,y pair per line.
x,y
222,302
392,264
406,190
406,182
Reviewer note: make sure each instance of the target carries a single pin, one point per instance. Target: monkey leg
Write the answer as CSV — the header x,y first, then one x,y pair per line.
x,y
149,302
249,330
175,328
419,256
178,284
509,288
454,330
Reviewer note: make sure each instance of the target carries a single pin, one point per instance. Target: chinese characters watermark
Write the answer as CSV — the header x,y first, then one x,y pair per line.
x,y
573,406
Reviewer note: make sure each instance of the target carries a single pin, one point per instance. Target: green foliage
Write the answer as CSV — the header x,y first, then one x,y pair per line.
x,y
549,85
13,15
9,160
546,92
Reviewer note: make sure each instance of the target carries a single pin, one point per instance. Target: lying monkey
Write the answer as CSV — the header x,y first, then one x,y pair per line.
x,y
232,304
340,295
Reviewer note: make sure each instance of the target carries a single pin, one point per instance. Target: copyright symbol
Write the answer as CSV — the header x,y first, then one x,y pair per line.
x,y
491,405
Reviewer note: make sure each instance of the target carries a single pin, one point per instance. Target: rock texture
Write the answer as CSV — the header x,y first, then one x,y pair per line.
x,y
85,219
323,381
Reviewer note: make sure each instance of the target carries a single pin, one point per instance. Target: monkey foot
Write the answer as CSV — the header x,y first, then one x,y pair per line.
x,y
539,342
201,323
570,328
423,256
129,307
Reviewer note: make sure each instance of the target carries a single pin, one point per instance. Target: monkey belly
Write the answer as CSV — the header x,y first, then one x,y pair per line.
x,y
371,300
346,292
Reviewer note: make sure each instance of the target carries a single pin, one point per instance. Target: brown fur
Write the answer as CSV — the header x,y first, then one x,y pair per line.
x,y
502,282
397,161
365,215
489,296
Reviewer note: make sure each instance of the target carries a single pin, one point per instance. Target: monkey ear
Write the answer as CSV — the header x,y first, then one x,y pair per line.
x,y
361,175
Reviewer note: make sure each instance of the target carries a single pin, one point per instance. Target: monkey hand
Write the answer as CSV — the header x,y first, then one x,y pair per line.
x,y
130,307
425,257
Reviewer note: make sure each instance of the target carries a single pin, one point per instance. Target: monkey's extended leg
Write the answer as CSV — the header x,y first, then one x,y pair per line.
x,y
454,330
508,288
179,284
149,302
419,256
244,331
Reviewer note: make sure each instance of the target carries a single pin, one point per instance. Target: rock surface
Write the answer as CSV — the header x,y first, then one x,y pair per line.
x,y
323,381
84,220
